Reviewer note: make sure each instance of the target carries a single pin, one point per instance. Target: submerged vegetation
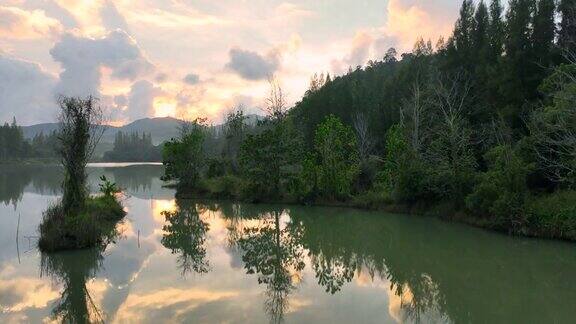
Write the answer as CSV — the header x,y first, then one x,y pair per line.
x,y
78,220
479,128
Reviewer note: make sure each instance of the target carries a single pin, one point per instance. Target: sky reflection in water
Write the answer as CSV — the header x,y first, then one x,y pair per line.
x,y
184,261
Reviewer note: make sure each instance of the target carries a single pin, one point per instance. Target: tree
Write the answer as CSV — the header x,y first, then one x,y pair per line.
x,y
276,106
544,32
185,235
518,67
364,147
336,150
553,128
235,131
450,150
503,190
480,37
269,158
184,157
80,131
496,31
275,254
463,39
567,34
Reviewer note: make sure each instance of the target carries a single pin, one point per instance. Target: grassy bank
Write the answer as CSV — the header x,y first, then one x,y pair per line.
x,y
551,216
94,227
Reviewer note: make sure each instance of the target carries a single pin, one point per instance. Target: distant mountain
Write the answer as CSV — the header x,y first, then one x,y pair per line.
x,y
161,129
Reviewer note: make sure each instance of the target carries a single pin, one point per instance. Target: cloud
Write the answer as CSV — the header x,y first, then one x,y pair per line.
x,y
141,100
251,65
26,92
16,23
52,9
83,58
111,17
410,19
359,53
161,77
191,79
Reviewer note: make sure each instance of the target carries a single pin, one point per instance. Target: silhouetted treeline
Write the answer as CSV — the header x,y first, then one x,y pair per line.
x,y
13,145
134,148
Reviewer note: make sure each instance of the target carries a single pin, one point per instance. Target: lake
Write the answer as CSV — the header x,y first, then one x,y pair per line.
x,y
215,262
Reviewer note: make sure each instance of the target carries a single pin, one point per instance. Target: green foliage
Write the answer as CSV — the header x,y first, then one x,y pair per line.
x,y
185,235
235,130
227,186
108,188
94,227
404,175
216,168
553,128
269,159
184,157
304,187
502,191
553,215
336,151
78,135
567,32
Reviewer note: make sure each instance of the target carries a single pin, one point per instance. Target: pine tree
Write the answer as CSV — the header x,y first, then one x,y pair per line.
x,y
480,33
496,30
544,32
518,68
462,41
567,34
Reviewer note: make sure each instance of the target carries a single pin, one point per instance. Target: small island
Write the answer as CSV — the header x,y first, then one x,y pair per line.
x,y
79,220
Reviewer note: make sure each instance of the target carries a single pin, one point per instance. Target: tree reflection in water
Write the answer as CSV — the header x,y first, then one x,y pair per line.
x,y
273,252
185,235
338,248
73,269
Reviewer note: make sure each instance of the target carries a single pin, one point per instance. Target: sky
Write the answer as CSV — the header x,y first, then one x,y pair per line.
x,y
188,59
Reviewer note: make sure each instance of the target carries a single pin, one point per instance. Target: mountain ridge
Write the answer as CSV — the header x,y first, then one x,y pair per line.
x,y
162,129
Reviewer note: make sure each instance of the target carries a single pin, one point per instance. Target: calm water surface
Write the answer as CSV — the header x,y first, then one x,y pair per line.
x,y
184,261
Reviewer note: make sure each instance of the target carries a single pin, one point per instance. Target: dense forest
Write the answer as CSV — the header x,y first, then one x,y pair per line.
x,y
133,148
14,146
479,127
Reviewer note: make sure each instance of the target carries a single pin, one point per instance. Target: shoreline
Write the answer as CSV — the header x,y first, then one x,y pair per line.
x,y
440,211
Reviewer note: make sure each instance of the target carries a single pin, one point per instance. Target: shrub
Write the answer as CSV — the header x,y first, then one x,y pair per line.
x,y
227,186
553,215
108,188
96,226
502,191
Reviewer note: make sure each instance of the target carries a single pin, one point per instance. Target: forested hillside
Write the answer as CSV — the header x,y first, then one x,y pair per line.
x,y
479,126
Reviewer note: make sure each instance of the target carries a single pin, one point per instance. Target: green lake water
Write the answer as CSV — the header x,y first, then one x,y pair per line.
x,y
219,262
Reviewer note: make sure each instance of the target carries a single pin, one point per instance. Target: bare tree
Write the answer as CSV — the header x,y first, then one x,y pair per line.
x,y
415,109
364,141
276,105
80,131
451,146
